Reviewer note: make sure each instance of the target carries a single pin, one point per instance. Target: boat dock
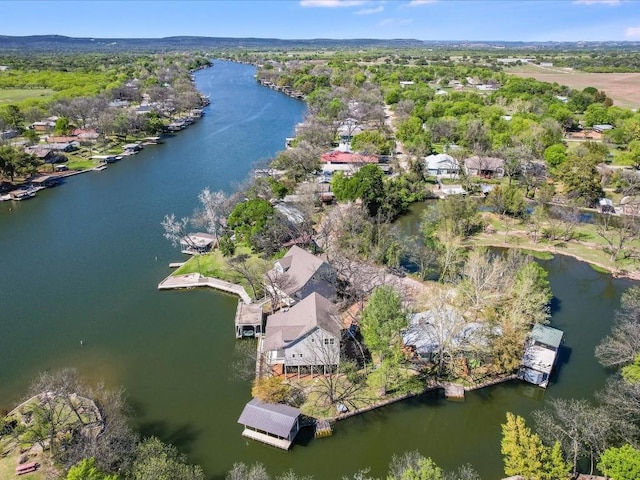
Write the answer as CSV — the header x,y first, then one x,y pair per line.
x,y
192,280
249,319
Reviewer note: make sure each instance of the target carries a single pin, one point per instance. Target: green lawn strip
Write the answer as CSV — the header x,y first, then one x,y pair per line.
x,y
17,95
584,232
77,162
215,265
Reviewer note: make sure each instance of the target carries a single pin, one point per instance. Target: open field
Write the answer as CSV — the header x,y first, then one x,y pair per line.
x,y
623,88
15,95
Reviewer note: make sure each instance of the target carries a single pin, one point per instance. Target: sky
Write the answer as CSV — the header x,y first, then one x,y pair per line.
x,y
473,20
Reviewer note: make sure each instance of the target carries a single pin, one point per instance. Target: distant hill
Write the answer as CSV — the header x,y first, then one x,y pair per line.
x,y
59,43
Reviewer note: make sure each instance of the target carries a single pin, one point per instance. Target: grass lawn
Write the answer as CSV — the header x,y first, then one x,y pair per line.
x,y
16,95
79,163
588,246
8,469
215,265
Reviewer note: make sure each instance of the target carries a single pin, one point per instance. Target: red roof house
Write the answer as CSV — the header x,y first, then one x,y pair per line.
x,y
336,156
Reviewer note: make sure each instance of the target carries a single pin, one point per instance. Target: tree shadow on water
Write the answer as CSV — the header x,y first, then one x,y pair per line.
x,y
182,437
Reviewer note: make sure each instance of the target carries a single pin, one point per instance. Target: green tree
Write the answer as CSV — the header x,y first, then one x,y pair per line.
x,y
413,466
621,463
555,155
156,460
87,470
631,372
366,184
250,218
382,320
530,295
525,454
62,127
581,179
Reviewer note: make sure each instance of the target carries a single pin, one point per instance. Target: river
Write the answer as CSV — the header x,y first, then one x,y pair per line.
x,y
82,261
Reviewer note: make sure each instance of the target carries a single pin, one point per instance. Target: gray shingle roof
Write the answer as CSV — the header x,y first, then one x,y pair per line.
x,y
284,327
274,418
300,266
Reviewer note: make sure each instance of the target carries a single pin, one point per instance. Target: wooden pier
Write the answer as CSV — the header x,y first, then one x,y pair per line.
x,y
323,429
453,391
192,280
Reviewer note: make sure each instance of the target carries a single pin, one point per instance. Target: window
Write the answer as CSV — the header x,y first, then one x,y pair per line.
x,y
300,355
326,341
313,340
331,340
293,355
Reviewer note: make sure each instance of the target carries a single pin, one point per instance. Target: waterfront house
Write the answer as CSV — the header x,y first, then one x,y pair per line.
x,y
482,166
304,338
442,165
275,424
540,354
197,243
299,274
427,330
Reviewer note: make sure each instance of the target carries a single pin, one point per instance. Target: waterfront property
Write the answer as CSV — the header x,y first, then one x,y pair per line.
x,y
299,274
427,329
304,338
270,423
249,319
442,165
482,166
197,243
540,354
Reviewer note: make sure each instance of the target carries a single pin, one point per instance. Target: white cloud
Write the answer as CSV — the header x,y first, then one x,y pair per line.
x,y
331,3
415,3
596,2
394,22
632,32
370,11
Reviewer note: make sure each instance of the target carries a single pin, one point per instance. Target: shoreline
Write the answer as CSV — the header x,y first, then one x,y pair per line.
x,y
614,272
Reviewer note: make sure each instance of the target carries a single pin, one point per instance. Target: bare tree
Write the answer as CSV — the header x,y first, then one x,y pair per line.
x,y
622,346
176,232
582,429
618,232
212,211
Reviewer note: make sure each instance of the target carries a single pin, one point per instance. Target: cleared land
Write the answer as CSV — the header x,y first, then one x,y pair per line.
x,y
622,88
16,95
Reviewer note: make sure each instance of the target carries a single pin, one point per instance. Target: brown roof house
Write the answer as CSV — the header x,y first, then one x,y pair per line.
x,y
482,166
304,338
297,275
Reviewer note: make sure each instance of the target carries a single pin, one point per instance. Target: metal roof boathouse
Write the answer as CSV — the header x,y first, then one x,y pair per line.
x,y
540,354
270,423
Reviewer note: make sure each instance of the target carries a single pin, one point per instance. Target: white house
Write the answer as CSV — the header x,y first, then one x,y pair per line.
x,y
304,337
442,165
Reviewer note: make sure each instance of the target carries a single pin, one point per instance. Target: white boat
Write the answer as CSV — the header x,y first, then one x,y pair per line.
x,y
99,168
23,194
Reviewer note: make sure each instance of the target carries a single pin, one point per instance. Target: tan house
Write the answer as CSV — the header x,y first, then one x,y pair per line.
x,y
482,166
299,274
304,338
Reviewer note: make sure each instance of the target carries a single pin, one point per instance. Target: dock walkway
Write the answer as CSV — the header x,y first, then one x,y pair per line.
x,y
192,280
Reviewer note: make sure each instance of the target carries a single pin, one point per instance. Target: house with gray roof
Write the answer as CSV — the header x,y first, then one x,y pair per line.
x,y
271,423
304,338
442,165
299,274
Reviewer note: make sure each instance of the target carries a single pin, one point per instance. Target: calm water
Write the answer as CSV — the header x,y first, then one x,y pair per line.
x,y
82,261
